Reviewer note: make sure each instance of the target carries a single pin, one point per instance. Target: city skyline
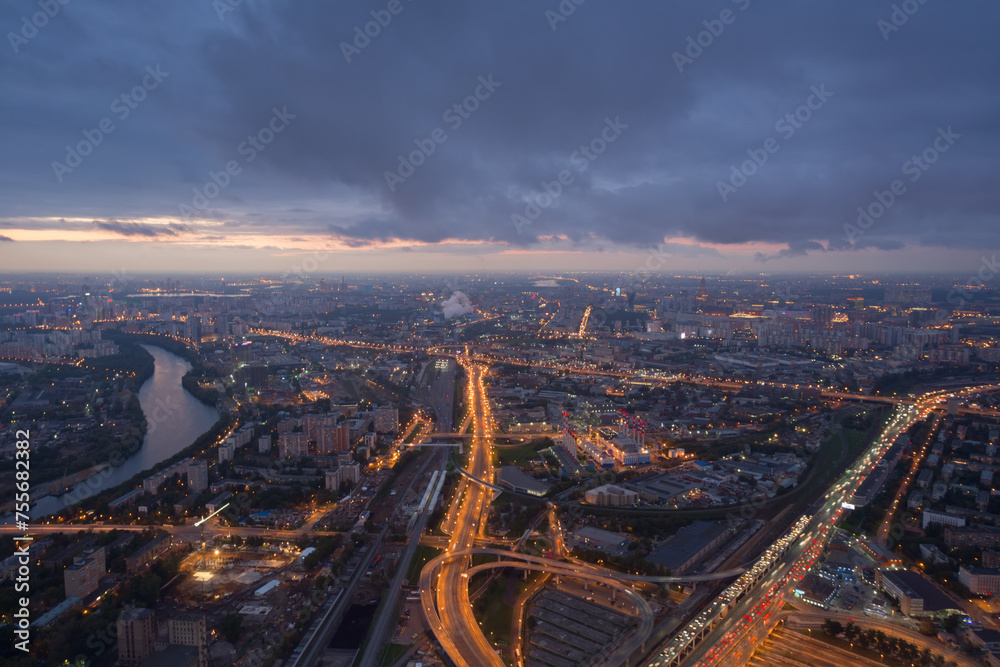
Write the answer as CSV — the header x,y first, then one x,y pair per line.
x,y
651,469
555,333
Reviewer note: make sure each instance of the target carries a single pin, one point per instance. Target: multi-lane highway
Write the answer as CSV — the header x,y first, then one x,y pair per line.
x,y
725,631
731,639
445,594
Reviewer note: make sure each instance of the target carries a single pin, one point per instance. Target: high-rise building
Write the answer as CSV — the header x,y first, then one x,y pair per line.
x,y
81,578
822,315
136,635
333,439
292,445
197,475
241,353
387,419
192,328
190,629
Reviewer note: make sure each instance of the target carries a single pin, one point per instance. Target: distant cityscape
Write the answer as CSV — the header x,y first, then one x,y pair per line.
x,y
520,469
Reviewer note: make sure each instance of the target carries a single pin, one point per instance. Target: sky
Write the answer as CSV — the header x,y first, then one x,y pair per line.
x,y
300,136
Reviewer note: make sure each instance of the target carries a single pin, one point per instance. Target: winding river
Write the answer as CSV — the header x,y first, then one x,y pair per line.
x,y
174,417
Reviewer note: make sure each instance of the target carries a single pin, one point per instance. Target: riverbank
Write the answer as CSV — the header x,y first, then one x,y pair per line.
x,y
176,424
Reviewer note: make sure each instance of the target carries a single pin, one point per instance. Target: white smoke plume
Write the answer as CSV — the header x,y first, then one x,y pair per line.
x,y
455,305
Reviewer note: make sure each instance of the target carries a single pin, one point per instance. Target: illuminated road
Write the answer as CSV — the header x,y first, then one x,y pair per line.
x,y
186,533
730,636
445,591
577,568
435,614
710,639
732,639
632,374
814,619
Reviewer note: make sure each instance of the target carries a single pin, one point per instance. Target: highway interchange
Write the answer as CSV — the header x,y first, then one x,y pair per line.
x,y
723,631
726,629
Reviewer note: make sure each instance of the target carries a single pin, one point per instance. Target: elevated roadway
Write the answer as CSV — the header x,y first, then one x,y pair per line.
x,y
430,578
444,588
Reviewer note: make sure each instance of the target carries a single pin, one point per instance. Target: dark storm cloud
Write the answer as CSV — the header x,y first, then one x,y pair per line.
x,y
686,131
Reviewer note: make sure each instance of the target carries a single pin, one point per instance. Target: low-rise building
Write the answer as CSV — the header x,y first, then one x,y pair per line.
x,y
980,536
148,553
612,495
596,538
690,545
513,478
942,518
980,580
880,554
932,555
916,595
816,591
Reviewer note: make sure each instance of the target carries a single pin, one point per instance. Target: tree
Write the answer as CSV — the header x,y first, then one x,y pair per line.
x,y
832,628
907,651
851,631
881,640
231,627
951,623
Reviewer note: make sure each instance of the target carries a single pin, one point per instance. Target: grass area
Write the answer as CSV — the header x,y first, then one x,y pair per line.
x,y
393,653
540,544
420,558
519,456
523,584
479,559
493,614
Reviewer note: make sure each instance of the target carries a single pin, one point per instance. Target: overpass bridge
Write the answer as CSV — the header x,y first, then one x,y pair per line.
x,y
465,473
509,559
